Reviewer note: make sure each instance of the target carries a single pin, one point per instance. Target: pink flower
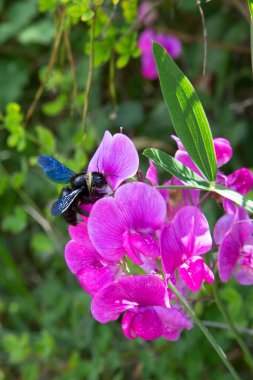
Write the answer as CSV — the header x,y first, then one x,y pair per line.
x,y
116,157
144,301
182,243
128,223
85,263
147,14
170,43
233,232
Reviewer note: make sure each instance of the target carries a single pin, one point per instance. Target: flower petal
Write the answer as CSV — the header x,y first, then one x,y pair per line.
x,y
127,293
174,321
80,255
192,272
106,227
92,279
223,151
221,227
142,207
116,157
241,180
142,322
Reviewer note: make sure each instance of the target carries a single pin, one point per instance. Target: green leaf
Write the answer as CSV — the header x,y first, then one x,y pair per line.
x,y
250,2
186,112
41,32
176,168
233,196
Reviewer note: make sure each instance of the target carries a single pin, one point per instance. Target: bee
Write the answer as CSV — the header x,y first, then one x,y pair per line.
x,y
84,188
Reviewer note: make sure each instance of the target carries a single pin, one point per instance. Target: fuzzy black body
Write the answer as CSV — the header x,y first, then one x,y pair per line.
x,y
84,188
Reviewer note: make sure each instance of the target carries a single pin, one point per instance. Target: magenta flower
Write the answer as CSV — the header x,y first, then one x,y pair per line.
x,y
147,14
116,157
90,269
128,223
182,243
233,232
170,43
144,301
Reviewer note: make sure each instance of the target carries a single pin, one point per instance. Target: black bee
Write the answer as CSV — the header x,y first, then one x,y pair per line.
x,y
84,188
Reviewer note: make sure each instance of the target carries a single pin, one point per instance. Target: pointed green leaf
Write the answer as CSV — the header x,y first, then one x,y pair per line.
x,y
186,112
176,168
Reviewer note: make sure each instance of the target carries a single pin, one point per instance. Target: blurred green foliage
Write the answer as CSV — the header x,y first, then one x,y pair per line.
x,y
46,328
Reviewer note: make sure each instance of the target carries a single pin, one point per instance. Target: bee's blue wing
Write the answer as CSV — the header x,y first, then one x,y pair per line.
x,y
56,171
63,203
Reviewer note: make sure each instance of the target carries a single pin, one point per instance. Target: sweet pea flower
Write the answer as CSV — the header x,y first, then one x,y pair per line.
x,y
182,243
90,269
116,157
144,301
233,233
170,43
128,223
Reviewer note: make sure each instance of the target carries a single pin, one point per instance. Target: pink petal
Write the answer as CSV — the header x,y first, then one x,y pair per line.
x,y
127,293
79,256
116,157
243,271
208,274
223,151
142,322
228,255
171,251
145,244
192,229
142,207
152,174
106,227
92,279
241,180
79,232
170,43
192,272
221,227
130,251
173,322
187,236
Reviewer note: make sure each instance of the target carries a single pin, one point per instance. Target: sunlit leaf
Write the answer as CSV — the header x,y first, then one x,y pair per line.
x,y
186,112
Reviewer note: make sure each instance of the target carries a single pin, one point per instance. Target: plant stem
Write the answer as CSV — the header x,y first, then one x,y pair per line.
x,y
50,66
206,332
247,356
90,74
72,64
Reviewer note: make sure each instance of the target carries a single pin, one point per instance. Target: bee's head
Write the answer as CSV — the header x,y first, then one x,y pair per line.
x,y
98,180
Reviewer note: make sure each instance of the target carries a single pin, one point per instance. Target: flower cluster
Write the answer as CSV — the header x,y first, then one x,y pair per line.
x,y
138,237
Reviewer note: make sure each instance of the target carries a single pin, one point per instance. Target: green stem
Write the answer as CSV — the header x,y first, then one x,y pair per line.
x,y
49,69
233,328
206,332
90,74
